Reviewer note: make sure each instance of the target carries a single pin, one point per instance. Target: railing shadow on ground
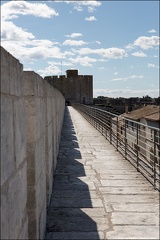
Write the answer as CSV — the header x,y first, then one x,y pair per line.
x,y
66,217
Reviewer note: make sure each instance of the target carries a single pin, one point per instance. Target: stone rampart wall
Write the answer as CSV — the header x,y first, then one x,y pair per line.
x,y
31,120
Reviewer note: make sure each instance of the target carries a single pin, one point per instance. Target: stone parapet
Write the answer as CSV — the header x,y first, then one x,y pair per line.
x,y
31,120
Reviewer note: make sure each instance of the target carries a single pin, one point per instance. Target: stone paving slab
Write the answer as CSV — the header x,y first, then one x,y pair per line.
x,y
125,198
76,202
120,190
97,194
121,176
77,212
75,235
133,232
124,182
132,218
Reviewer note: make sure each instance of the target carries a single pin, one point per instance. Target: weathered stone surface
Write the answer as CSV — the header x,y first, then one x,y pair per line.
x,y
136,207
75,235
127,190
7,140
16,77
20,130
129,198
76,202
75,193
25,139
122,182
132,218
134,232
17,196
5,71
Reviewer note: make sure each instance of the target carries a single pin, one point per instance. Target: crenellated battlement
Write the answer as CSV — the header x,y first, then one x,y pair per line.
x,y
75,88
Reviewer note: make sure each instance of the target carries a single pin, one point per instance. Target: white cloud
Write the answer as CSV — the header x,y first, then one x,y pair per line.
x,y
74,42
10,32
78,5
152,31
126,78
90,19
150,65
147,42
54,68
26,54
127,93
101,68
78,8
74,35
23,44
84,61
129,47
98,42
112,53
12,9
115,73
139,54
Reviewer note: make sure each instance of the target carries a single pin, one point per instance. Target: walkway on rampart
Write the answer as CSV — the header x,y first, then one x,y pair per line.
x,y
97,194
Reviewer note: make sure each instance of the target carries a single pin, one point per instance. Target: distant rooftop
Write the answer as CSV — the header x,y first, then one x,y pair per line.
x,y
147,112
153,117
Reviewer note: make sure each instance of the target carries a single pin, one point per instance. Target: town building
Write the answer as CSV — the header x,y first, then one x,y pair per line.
x,y
143,130
75,88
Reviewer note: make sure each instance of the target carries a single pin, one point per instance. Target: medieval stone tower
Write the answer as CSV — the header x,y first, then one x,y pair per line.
x,y
75,88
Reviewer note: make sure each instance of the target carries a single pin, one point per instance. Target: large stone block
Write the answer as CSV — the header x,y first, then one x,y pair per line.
x,y
32,224
40,154
4,214
31,198
17,199
39,86
22,175
30,112
7,140
49,110
24,231
33,84
40,117
29,83
5,73
49,136
42,221
20,130
12,74
16,77
41,202
41,190
49,173
30,155
31,178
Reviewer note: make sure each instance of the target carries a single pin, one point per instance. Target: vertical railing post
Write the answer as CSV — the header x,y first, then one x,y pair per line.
x,y
110,129
137,142
105,118
154,166
117,133
125,138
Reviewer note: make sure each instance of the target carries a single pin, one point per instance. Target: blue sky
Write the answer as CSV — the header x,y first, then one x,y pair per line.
x,y
115,41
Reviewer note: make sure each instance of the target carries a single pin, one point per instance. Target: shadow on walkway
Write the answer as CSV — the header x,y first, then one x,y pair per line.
x,y
66,217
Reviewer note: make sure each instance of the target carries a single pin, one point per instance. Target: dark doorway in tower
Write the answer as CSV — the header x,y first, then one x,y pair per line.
x,y
84,100
68,103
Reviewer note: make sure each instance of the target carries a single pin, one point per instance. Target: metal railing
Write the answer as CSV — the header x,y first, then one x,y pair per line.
x,y
138,143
